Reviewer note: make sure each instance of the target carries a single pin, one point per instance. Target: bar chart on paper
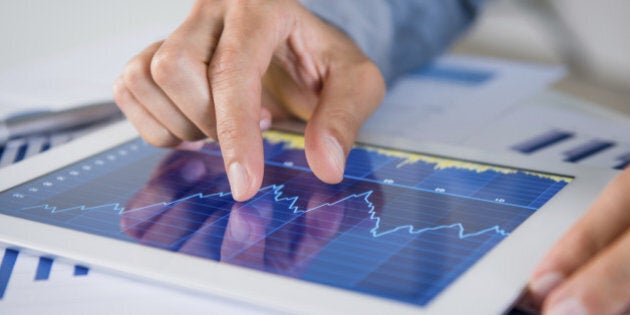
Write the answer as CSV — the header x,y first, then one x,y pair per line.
x,y
19,149
400,225
557,127
30,284
39,272
579,148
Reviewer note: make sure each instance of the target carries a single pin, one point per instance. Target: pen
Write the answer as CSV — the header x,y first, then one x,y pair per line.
x,y
57,120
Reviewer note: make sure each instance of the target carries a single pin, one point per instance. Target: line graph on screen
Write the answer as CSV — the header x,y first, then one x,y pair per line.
x,y
278,196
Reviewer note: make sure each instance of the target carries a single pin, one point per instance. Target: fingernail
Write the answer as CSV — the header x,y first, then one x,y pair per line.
x,y
265,124
541,286
569,306
239,180
335,156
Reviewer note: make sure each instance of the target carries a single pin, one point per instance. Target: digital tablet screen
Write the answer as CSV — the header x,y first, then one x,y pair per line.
x,y
401,225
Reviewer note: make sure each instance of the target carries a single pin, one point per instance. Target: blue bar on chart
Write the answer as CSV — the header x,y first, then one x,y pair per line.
x,y
10,152
81,270
453,74
21,153
586,150
6,269
542,141
43,268
624,161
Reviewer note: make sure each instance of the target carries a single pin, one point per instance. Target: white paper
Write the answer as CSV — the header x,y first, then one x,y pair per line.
x,y
75,77
449,110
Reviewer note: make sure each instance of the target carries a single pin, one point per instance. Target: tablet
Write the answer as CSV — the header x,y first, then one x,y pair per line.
x,y
412,227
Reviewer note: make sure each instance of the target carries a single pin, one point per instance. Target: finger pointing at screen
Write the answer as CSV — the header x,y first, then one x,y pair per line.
x,y
206,81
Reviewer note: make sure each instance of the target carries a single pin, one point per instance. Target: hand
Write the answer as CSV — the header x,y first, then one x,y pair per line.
x,y
588,270
233,65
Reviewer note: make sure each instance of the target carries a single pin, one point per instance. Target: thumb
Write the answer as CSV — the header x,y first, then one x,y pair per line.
x,y
605,222
349,95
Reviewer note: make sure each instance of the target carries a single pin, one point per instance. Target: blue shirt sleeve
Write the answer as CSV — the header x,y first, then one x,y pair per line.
x,y
398,35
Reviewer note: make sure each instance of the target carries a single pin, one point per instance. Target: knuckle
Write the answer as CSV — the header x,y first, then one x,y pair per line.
x,y
369,72
119,90
135,73
167,65
373,71
209,8
122,95
229,131
227,62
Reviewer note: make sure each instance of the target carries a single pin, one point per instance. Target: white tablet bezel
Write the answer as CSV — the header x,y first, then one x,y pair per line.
x,y
489,286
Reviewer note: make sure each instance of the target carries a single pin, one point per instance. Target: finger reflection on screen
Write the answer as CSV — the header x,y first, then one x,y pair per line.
x,y
186,207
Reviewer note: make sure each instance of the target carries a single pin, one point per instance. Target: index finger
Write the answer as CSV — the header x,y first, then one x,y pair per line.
x,y
242,56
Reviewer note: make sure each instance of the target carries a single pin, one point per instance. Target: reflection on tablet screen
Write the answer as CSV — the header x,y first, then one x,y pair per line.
x,y
401,225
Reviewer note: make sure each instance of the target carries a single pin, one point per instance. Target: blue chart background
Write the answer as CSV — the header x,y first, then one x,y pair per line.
x,y
394,228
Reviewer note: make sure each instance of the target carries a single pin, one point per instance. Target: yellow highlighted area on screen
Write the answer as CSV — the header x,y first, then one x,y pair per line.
x,y
296,142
